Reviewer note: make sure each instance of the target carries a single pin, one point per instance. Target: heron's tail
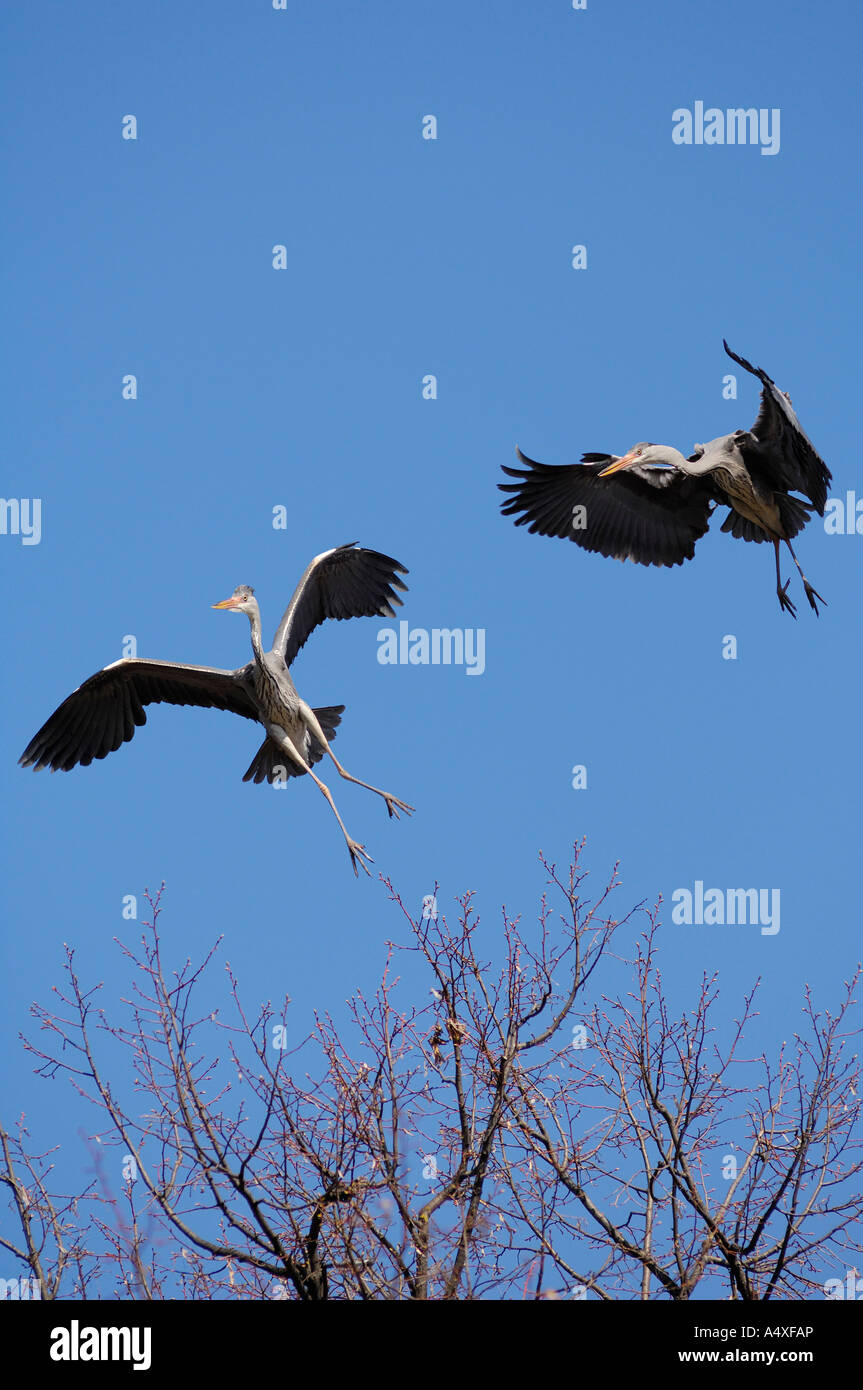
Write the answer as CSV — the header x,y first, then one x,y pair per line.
x,y
793,514
270,763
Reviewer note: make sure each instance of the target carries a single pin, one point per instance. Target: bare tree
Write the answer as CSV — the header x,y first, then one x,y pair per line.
x,y
518,1135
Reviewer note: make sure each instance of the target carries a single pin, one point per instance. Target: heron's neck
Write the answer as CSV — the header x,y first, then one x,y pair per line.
x,y
255,625
674,456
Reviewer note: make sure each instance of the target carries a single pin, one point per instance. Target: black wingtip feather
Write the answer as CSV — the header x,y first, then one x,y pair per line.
x,y
747,366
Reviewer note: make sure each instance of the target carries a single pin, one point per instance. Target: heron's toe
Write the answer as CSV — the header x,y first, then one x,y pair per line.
x,y
784,601
359,856
812,595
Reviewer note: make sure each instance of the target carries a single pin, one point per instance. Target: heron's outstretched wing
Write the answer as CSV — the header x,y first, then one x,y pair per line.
x,y
105,711
648,514
787,457
347,582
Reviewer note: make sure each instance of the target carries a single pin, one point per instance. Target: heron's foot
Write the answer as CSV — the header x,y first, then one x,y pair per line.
x,y
394,806
812,595
358,856
784,601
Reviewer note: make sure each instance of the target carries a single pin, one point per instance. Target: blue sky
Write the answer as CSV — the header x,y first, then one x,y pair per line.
x,y
303,388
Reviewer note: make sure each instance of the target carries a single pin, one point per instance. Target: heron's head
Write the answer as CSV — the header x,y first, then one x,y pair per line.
x,y
242,600
639,453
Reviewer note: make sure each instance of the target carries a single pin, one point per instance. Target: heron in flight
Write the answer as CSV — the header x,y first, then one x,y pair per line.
x,y
652,504
346,582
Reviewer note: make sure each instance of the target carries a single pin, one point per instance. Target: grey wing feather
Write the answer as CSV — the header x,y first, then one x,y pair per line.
x,y
787,455
105,711
347,582
652,515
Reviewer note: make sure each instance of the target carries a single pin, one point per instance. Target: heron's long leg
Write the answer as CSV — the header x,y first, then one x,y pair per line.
x,y
393,804
782,590
811,594
355,850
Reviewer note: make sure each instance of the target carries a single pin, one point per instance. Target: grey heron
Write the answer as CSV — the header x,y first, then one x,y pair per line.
x,y
103,713
652,504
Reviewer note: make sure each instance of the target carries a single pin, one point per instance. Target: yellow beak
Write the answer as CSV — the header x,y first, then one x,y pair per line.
x,y
616,467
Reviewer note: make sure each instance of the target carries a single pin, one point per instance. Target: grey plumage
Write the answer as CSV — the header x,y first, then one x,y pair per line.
x,y
104,712
652,504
